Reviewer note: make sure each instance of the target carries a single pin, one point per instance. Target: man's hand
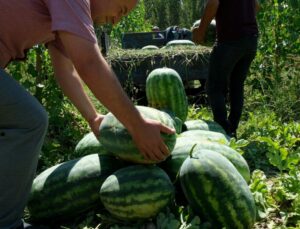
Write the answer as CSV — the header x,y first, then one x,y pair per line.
x,y
209,14
198,36
95,123
149,141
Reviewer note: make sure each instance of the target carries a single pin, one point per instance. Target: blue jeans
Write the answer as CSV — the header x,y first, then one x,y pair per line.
x,y
23,124
229,66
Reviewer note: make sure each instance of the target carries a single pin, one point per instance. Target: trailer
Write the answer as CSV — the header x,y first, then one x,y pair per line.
x,y
132,66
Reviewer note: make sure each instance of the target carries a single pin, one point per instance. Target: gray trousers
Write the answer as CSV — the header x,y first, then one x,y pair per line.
x,y
23,124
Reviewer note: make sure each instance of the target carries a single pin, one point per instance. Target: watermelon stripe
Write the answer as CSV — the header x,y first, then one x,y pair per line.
x,y
176,101
211,204
225,179
64,197
135,210
130,201
233,215
62,207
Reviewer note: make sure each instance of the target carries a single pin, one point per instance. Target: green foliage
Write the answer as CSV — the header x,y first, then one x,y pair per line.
x,y
156,12
276,200
163,13
261,192
196,112
174,12
134,22
272,139
274,149
276,80
191,11
279,28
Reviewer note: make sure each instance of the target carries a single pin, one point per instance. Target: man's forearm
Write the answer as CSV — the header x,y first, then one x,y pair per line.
x,y
70,83
99,75
209,14
257,6
72,87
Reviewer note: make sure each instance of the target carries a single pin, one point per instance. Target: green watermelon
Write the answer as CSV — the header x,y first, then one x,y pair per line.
x,y
216,191
137,192
206,135
150,47
176,43
201,124
117,140
183,147
89,144
165,91
178,124
68,189
210,35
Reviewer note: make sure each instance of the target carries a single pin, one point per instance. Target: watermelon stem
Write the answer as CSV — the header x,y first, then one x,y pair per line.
x,y
191,151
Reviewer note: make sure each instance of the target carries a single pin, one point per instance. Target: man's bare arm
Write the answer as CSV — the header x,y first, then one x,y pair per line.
x,y
257,5
68,79
208,15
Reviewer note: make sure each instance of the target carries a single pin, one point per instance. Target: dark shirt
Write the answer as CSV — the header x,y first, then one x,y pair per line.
x,y
236,19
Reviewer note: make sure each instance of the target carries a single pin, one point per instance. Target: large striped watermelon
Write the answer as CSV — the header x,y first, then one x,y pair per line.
x,y
165,91
216,191
117,140
137,192
70,188
89,144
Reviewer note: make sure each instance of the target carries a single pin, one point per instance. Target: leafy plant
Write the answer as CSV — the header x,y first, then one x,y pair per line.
x,y
134,22
276,80
261,193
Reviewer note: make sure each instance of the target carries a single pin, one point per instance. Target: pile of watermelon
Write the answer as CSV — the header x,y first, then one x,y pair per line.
x,y
110,174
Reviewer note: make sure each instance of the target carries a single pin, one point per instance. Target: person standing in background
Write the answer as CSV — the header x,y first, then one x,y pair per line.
x,y
231,57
